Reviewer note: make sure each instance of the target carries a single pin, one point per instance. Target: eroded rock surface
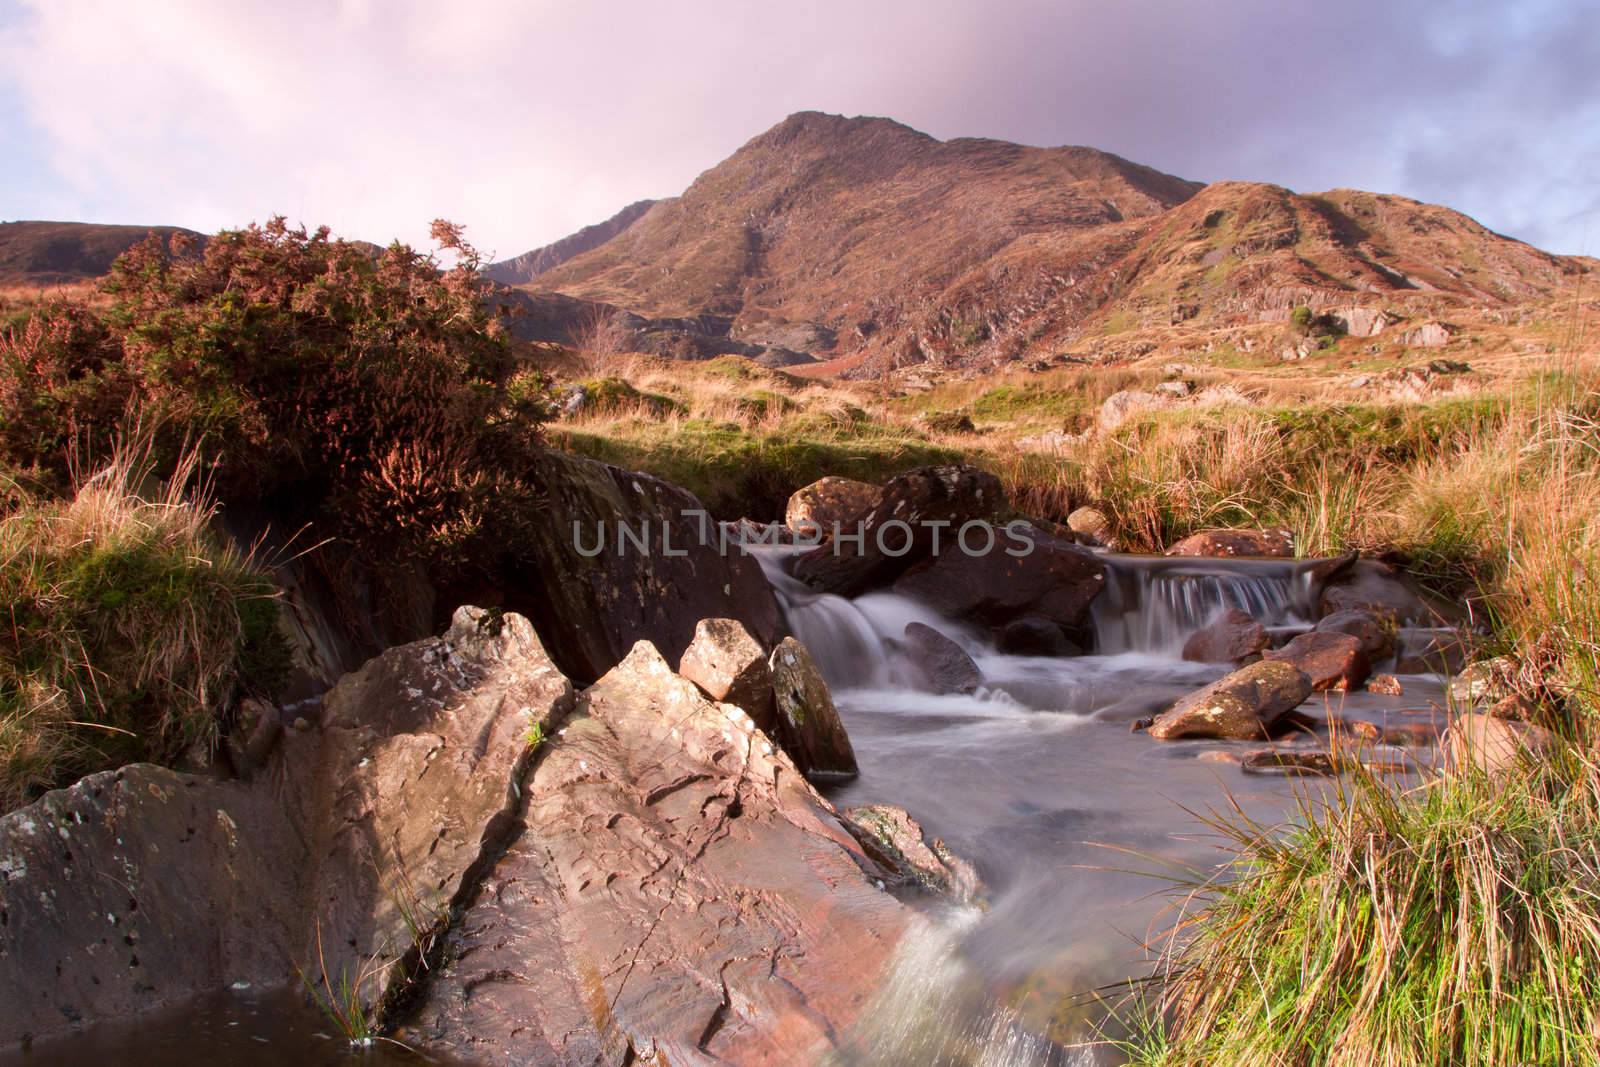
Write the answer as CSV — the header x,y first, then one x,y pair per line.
x,y
731,667
898,841
680,883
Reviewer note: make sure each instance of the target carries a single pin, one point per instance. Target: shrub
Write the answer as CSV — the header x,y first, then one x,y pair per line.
x,y
132,631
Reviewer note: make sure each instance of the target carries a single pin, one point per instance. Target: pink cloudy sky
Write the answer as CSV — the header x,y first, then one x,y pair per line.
x,y
526,120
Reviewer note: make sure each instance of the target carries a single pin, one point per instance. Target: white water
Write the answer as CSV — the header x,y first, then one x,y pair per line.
x,y
1038,781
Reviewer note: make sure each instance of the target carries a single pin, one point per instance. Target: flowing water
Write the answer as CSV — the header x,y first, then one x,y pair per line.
x,y
1035,778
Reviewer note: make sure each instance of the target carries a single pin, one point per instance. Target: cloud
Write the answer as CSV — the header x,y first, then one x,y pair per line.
x,y
526,120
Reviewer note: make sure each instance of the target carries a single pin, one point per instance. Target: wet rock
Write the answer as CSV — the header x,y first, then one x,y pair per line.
x,y
831,501
1273,543
1234,636
1385,685
1331,660
1092,525
1243,706
892,837
1494,745
1487,681
593,594
680,896
918,510
1051,578
1376,635
945,664
1035,635
730,667
809,728
748,531
1278,761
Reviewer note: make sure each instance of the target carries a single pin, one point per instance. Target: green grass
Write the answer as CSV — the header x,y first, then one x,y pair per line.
x,y
130,632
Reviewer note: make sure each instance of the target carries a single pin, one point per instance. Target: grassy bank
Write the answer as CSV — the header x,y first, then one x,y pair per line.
x,y
131,631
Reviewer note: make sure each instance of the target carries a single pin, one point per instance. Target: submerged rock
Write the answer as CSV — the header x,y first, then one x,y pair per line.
x,y
829,501
730,666
943,663
1225,543
891,836
1242,706
680,895
1331,660
809,728
1035,635
1234,636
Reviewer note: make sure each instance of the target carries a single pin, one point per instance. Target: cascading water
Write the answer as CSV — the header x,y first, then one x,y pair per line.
x,y
1037,780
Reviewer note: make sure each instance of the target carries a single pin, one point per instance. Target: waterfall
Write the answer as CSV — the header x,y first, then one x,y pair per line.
x,y
1153,603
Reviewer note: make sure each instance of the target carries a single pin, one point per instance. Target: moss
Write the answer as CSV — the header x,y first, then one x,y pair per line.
x,y
614,396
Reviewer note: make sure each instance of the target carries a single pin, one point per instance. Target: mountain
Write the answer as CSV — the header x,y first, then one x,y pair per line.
x,y
866,243
60,253
525,268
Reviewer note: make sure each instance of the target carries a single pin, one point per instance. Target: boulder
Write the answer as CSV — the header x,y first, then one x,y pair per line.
x,y
1119,407
1234,636
1385,685
1035,635
625,557
1494,745
1242,706
943,663
1092,525
680,895
1331,660
891,836
830,501
918,511
1376,635
346,853
1274,543
1055,580
731,667
809,728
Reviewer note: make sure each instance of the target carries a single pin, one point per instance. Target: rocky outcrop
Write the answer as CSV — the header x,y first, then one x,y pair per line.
x,y
919,510
1234,636
891,836
625,557
1243,706
944,665
1224,543
680,895
830,502
809,728
1331,660
1027,572
730,667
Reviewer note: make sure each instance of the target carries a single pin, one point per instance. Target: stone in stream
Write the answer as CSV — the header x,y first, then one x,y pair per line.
x,y
1487,681
892,837
1225,543
1233,636
681,895
1242,706
827,502
1035,635
1055,580
1331,660
809,728
900,530
1372,586
945,664
1385,685
730,666
1092,525
1376,635
593,593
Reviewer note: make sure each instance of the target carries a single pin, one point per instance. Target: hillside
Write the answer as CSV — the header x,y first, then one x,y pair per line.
x,y
522,269
59,253
871,245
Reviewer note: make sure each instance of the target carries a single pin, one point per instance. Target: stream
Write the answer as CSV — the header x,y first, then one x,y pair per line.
x,y
1036,779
